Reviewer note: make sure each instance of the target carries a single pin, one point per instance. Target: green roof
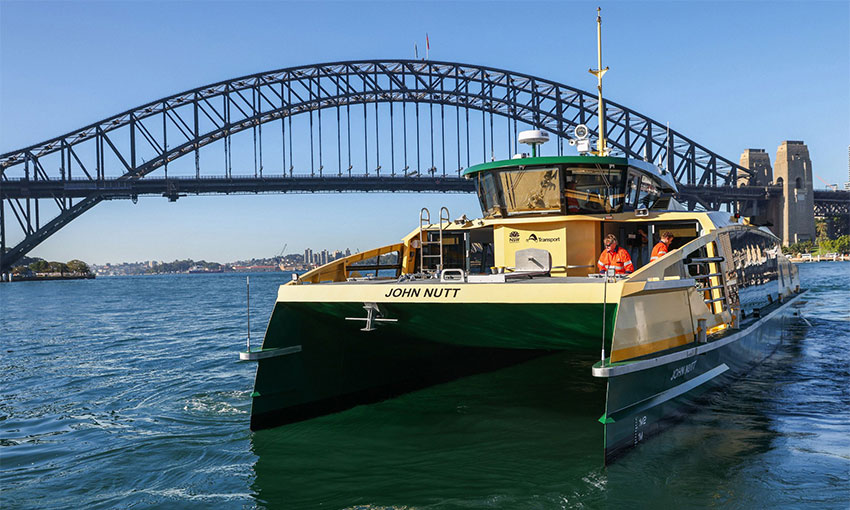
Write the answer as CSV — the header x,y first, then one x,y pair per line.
x,y
547,160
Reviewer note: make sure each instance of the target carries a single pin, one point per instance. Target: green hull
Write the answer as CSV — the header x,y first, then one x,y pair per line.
x,y
644,402
331,365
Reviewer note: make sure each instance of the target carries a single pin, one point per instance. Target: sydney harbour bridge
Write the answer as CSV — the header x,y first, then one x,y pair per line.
x,y
360,126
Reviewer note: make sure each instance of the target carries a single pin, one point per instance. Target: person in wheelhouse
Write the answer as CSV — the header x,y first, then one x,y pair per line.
x,y
614,256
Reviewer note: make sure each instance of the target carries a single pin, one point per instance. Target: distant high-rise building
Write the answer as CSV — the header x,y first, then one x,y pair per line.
x,y
308,256
347,252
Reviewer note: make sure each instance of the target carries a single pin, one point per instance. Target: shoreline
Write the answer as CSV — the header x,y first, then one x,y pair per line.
x,y
820,258
50,278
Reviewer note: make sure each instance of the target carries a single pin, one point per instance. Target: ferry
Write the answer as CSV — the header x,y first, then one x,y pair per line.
x,y
460,296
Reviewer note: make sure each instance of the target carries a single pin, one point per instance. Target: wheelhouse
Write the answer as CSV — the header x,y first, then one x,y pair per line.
x,y
569,185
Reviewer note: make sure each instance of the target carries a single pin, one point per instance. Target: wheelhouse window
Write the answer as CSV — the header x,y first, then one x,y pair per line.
x,y
594,190
632,189
531,190
563,189
489,195
648,194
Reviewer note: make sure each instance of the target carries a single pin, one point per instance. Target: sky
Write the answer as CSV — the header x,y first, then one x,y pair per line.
x,y
730,75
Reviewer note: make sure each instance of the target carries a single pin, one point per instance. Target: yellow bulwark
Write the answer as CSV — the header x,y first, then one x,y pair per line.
x,y
344,268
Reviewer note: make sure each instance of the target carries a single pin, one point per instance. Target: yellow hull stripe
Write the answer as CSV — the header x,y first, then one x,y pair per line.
x,y
650,347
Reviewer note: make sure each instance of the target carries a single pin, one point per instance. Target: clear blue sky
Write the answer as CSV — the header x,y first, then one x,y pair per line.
x,y
731,75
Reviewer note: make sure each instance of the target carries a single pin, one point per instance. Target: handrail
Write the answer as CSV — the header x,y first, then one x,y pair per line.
x,y
447,219
702,260
711,288
424,219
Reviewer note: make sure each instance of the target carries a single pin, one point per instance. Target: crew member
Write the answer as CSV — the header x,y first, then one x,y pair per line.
x,y
662,247
636,245
614,257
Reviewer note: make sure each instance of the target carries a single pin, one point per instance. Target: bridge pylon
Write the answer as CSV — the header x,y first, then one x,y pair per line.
x,y
763,210
793,171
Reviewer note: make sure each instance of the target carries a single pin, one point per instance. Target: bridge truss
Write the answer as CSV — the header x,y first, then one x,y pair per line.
x,y
834,207
388,125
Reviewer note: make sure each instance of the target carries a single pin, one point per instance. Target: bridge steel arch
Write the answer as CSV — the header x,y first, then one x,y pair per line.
x,y
180,125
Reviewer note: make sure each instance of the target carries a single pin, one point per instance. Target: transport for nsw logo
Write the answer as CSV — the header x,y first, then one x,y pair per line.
x,y
514,237
534,239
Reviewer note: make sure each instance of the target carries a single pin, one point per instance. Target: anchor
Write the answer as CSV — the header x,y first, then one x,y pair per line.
x,y
373,315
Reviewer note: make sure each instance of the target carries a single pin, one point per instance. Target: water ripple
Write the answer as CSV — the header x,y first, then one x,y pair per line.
x,y
132,398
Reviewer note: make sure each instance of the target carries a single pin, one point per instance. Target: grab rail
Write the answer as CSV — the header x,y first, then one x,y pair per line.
x,y
425,226
704,276
703,260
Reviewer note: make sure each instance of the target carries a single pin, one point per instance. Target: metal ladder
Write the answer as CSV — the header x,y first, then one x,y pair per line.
x,y
721,275
424,228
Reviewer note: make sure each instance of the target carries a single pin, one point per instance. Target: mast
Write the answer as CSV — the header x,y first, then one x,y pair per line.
x,y
601,145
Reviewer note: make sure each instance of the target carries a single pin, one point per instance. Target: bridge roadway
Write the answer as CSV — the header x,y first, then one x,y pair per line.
x,y
174,187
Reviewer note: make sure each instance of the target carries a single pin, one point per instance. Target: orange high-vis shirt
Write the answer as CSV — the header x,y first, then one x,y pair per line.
x,y
619,260
659,251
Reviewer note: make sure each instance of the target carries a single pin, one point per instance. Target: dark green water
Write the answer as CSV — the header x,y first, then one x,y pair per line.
x,y
125,393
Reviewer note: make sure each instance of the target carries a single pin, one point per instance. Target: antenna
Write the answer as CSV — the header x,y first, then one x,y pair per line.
x,y
601,145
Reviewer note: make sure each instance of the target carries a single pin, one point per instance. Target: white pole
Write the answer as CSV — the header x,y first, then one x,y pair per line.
x,y
248,304
604,306
609,272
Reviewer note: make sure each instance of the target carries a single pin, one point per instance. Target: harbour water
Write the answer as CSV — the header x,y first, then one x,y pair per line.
x,y
126,393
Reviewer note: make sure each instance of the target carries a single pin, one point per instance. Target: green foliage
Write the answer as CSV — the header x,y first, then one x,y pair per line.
x,y
840,245
822,229
823,246
801,247
78,266
26,261
74,266
57,267
39,266
19,270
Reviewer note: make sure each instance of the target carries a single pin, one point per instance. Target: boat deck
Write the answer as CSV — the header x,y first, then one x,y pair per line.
x,y
518,279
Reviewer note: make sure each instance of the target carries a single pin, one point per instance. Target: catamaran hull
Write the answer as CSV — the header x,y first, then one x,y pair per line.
x,y
647,396
321,363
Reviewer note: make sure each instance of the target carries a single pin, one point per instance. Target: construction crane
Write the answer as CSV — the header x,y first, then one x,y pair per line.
x,y
833,187
280,255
